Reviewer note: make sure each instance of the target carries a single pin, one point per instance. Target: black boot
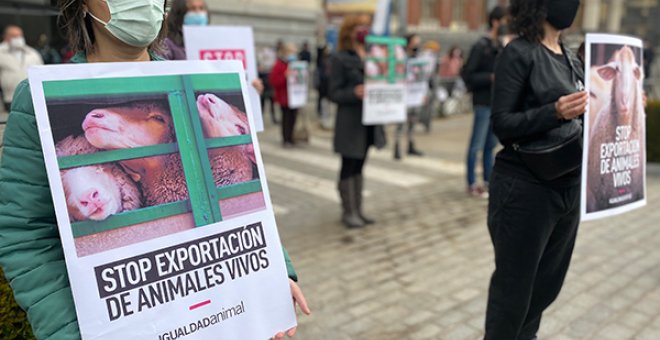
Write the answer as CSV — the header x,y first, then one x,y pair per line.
x,y
350,216
413,151
359,183
397,151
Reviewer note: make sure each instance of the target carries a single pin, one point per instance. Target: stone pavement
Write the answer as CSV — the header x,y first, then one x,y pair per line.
x,y
422,272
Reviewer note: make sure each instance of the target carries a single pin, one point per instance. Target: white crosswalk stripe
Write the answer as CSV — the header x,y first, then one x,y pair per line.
x,y
313,185
426,163
330,162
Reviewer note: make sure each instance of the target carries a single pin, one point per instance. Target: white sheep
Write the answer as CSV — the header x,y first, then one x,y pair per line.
x,y
97,191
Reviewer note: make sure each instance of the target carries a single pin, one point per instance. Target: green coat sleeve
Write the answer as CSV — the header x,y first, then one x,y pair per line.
x,y
289,266
31,253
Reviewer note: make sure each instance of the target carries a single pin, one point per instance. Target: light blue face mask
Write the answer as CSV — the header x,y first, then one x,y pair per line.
x,y
135,22
291,57
196,19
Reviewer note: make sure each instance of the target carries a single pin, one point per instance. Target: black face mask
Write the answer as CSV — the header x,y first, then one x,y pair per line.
x,y
561,13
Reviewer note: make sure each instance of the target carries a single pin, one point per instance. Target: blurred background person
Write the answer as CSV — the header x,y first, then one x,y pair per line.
x,y
431,50
15,59
278,80
48,54
412,50
321,79
305,54
533,222
451,63
478,76
182,12
352,139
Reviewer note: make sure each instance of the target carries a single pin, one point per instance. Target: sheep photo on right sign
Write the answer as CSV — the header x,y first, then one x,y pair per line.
x,y
614,162
161,200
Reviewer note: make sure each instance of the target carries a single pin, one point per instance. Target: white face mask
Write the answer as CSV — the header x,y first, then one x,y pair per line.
x,y
135,22
17,43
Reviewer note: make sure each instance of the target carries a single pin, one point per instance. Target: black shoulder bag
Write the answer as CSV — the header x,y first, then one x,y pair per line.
x,y
559,151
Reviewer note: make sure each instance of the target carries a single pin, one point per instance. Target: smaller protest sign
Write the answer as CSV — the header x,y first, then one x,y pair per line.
x,y
614,161
298,84
418,73
237,43
385,83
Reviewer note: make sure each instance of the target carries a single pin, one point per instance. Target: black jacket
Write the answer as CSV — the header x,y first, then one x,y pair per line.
x,y
529,79
477,72
352,139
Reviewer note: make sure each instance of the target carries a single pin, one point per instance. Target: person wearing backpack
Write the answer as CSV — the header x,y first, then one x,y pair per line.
x,y
477,73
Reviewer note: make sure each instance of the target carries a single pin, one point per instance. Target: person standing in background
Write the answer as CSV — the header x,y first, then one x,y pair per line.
x,y
182,12
321,77
352,139
305,54
278,81
412,49
15,59
49,55
450,64
478,76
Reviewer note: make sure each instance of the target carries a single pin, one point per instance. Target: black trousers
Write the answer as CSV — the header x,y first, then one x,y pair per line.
x,y
288,123
533,229
351,167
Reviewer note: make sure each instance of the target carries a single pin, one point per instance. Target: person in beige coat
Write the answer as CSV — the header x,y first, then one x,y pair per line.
x,y
15,59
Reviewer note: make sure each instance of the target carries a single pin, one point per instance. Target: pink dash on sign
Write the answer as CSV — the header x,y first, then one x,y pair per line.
x,y
622,190
201,304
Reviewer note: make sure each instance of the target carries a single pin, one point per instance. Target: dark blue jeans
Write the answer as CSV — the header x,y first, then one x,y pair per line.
x,y
533,229
482,139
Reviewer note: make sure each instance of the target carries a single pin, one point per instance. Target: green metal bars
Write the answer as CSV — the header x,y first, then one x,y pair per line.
x,y
191,144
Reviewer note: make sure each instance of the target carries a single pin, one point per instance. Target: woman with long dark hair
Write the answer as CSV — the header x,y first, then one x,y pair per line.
x,y
352,139
31,252
534,208
182,12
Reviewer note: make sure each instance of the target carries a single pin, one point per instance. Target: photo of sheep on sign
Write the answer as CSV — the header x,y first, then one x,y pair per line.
x,y
137,166
614,165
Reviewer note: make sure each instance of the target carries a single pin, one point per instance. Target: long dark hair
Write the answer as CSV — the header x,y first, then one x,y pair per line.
x,y
78,27
527,17
175,21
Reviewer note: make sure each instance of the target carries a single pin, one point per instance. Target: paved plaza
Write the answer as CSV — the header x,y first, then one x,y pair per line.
x,y
422,271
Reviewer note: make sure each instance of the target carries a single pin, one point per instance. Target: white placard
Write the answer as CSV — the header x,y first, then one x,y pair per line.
x,y
162,237
614,160
385,84
227,43
297,84
418,74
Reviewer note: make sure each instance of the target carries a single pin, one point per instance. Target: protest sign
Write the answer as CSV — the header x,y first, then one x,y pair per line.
x,y
385,81
297,84
418,74
234,43
614,161
161,200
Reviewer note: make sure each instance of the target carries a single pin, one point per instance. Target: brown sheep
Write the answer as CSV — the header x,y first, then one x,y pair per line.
x,y
105,190
160,177
233,164
623,114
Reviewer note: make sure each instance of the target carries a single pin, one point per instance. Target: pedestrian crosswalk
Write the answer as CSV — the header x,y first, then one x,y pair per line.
x,y
293,169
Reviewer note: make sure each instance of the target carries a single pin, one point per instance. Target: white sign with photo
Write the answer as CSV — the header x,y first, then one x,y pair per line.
x,y
614,160
297,84
161,200
227,43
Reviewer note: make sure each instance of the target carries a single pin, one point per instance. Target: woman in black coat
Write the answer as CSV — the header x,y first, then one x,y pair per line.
x,y
352,139
534,212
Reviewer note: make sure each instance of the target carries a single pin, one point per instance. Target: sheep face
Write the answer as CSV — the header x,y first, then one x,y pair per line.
x,y
128,127
625,73
220,119
95,198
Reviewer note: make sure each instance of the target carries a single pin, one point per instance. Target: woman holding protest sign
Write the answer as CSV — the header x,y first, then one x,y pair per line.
x,y
534,208
352,139
31,253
